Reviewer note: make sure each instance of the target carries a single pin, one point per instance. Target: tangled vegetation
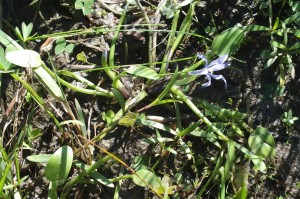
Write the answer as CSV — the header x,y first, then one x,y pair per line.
x,y
146,99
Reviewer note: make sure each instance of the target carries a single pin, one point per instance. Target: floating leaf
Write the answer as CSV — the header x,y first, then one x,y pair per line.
x,y
228,41
262,143
59,164
143,71
24,58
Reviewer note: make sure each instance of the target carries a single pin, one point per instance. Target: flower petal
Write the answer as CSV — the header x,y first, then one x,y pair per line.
x,y
200,56
218,77
219,66
220,60
207,84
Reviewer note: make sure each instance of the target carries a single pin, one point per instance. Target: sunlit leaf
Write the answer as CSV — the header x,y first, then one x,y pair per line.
x,y
59,164
4,64
262,143
155,140
81,57
39,158
49,83
24,58
26,30
128,120
144,178
143,71
228,41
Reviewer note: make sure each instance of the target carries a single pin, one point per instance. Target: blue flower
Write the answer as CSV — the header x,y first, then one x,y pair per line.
x,y
215,65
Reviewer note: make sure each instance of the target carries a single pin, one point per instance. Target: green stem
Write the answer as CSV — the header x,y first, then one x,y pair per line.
x,y
183,29
194,108
112,75
98,91
130,103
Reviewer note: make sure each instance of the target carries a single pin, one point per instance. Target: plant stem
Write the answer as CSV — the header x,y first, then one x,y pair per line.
x,y
130,103
194,108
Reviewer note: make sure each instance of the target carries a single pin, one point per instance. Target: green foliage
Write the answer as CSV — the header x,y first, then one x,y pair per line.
x,y
143,71
228,41
173,123
262,143
288,118
26,30
85,6
62,46
59,165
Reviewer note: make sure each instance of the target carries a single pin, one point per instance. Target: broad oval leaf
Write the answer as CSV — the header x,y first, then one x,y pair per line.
x,y
59,164
228,41
25,58
143,71
262,143
144,178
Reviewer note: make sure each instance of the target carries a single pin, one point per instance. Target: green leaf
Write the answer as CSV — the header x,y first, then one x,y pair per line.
x,y
48,82
143,71
39,158
4,64
60,46
156,125
155,140
59,164
292,18
262,143
259,164
26,30
95,175
101,179
69,48
78,4
108,116
81,57
278,45
25,58
228,41
255,28
229,159
80,118
119,98
128,120
8,42
144,178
